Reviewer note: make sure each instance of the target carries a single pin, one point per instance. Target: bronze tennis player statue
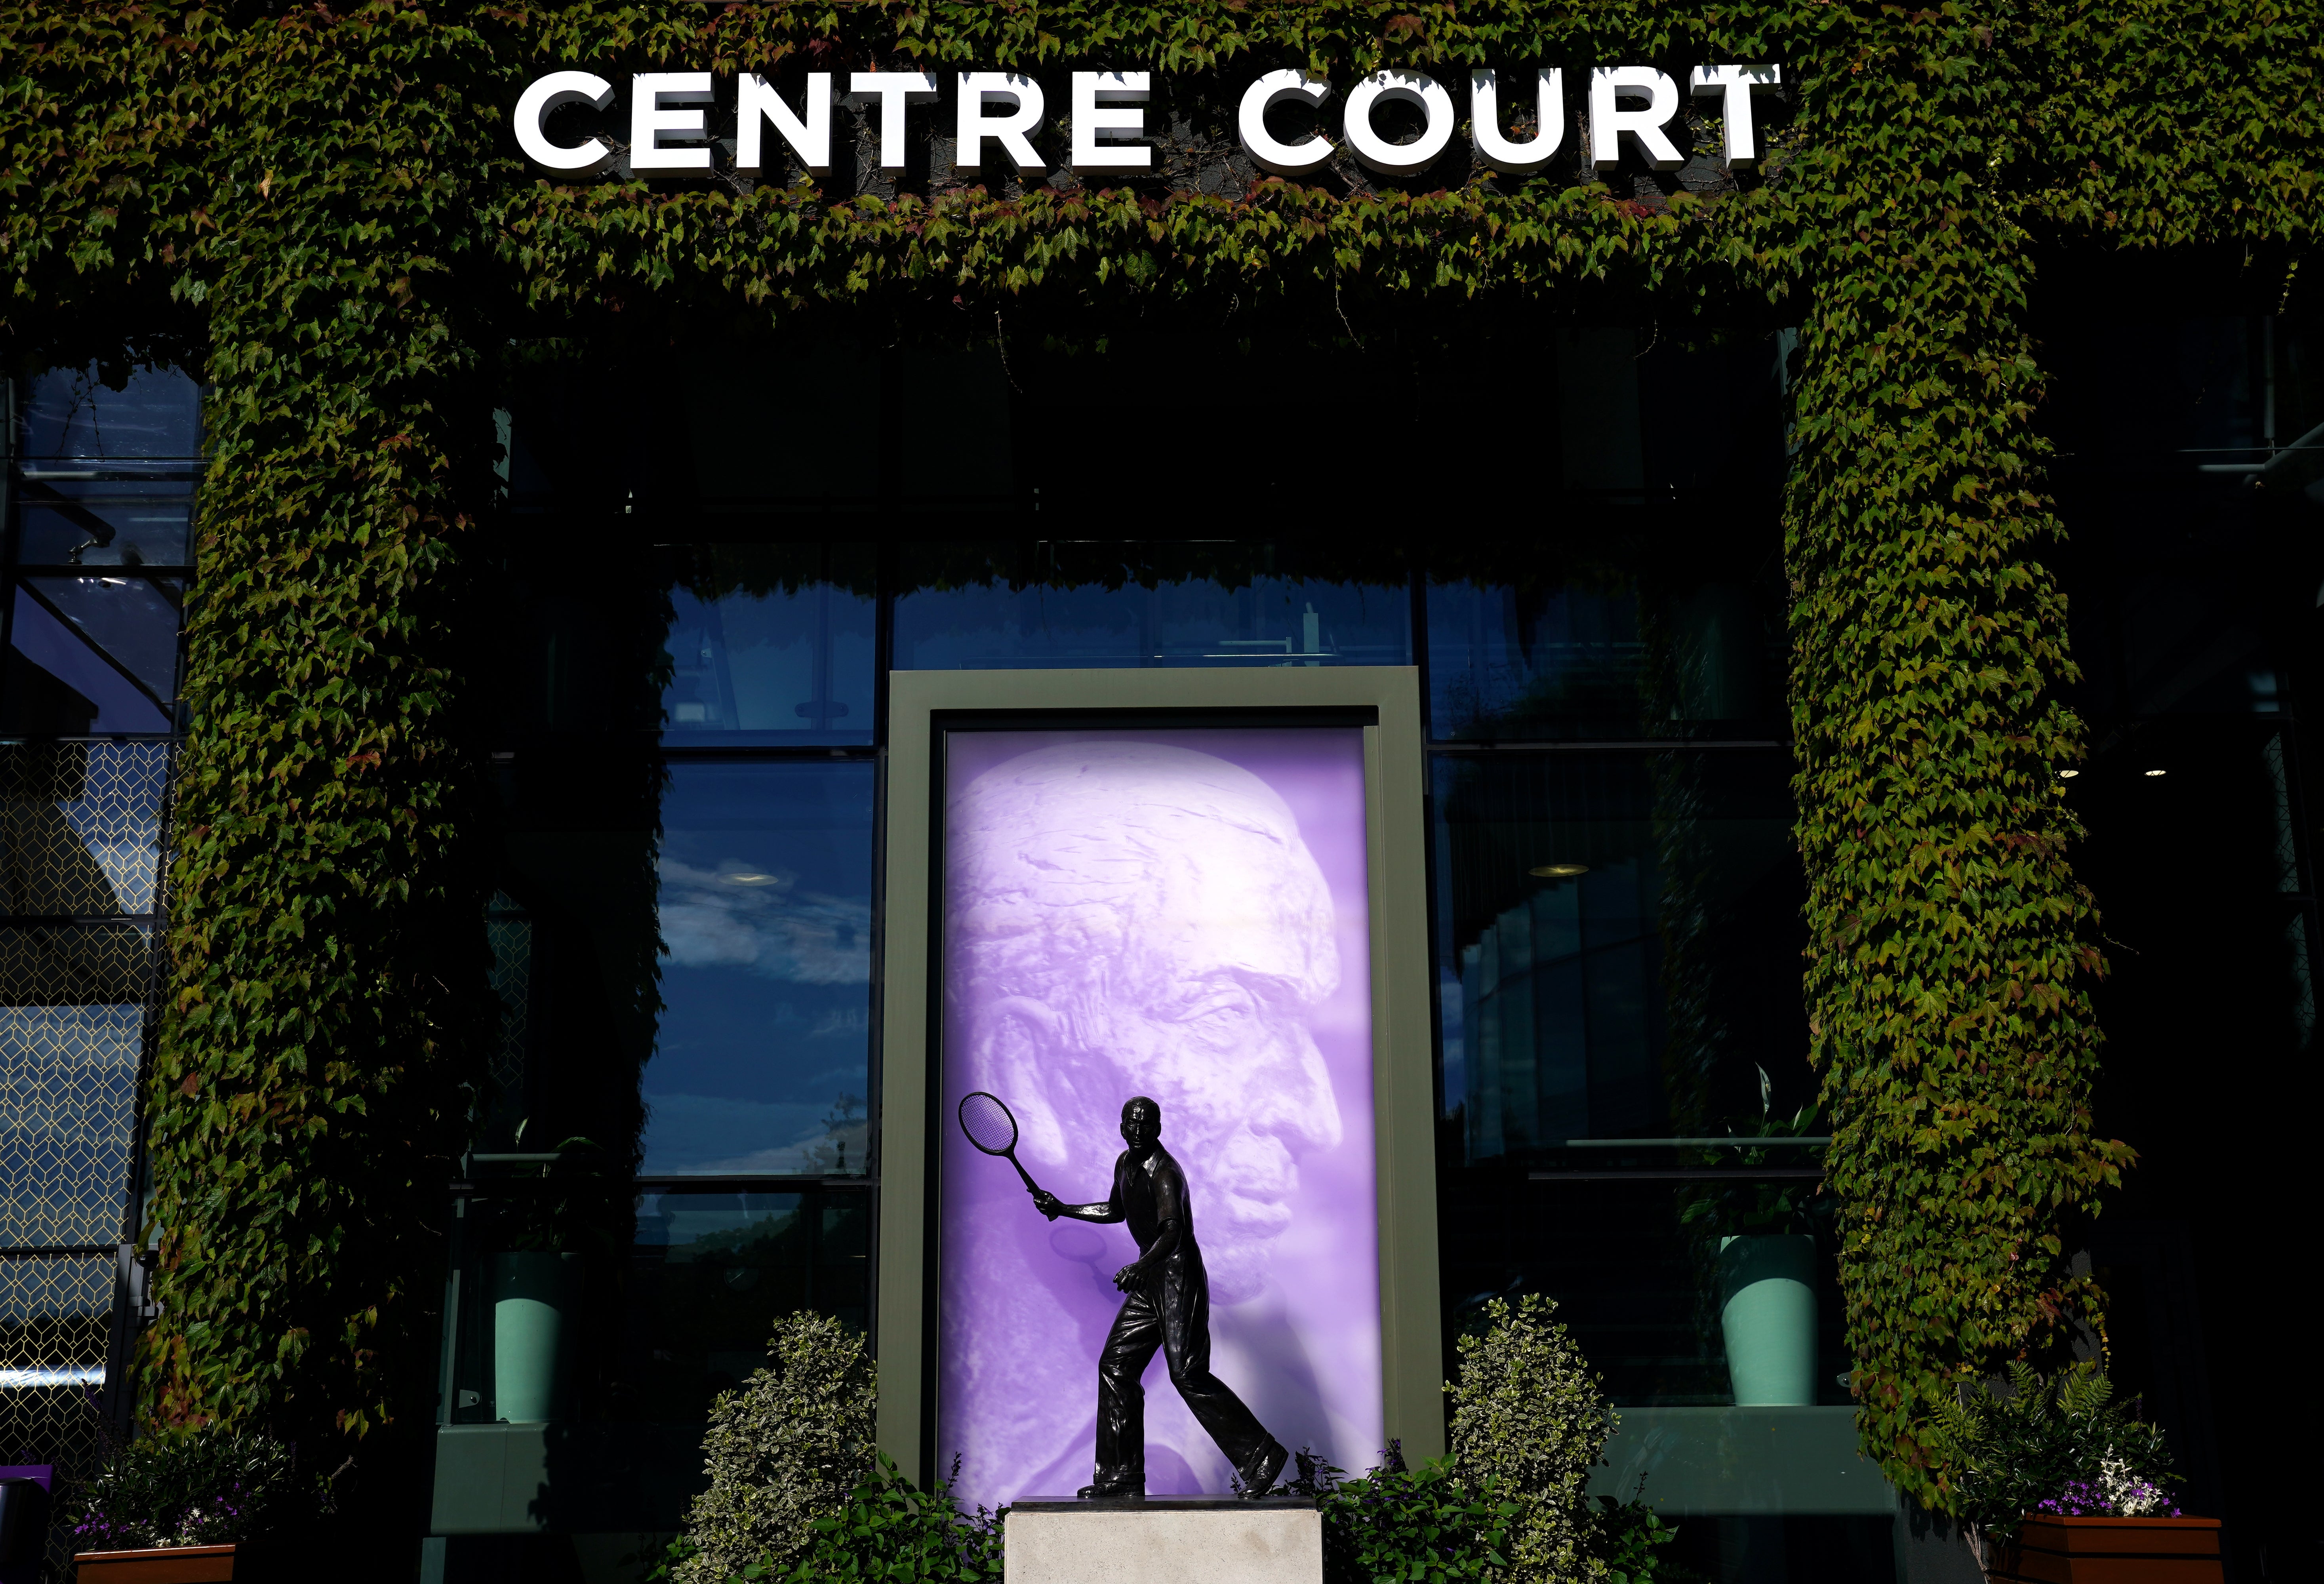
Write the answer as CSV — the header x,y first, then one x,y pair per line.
x,y
1166,1306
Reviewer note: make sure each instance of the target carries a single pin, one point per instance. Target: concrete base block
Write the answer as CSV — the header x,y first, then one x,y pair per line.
x,y
1169,1539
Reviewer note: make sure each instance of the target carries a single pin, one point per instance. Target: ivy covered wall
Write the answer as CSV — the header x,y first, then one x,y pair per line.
x,y
322,208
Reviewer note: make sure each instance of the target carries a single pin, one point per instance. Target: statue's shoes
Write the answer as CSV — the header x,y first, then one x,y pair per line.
x,y
1259,1475
1111,1493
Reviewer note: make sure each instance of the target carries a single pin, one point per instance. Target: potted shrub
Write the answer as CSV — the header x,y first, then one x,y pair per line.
x,y
1765,1262
784,1451
186,1508
2054,1482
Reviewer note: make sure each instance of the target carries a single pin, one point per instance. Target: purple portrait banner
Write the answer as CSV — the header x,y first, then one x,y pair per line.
x,y
1182,914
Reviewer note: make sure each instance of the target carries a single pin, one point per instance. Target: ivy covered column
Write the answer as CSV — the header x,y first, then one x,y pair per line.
x,y
1950,950
327,1003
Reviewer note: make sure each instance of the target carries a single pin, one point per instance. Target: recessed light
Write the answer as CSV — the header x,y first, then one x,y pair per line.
x,y
1558,871
2067,775
2158,773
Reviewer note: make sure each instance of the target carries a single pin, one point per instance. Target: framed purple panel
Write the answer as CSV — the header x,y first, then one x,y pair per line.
x,y
1182,914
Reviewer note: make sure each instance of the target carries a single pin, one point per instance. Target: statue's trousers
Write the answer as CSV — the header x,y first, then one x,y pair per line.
x,y
1175,1319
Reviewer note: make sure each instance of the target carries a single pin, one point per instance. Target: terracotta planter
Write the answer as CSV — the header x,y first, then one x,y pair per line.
x,y
2111,1551
171,1564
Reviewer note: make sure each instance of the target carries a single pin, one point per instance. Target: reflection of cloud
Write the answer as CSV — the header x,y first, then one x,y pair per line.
x,y
738,916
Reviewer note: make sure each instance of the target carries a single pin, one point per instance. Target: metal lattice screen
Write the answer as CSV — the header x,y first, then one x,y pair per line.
x,y
80,844
510,932
68,1115
80,827
56,1314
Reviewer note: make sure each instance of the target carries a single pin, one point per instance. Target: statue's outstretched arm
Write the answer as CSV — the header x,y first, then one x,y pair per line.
x,y
1050,1205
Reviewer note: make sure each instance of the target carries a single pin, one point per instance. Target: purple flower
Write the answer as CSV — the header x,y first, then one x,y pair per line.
x,y
2079,1499
2084,1498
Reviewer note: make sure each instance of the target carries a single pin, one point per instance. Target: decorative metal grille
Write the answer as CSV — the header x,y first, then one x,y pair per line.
x,y
74,966
79,842
511,935
80,891
511,941
68,1113
55,1314
80,827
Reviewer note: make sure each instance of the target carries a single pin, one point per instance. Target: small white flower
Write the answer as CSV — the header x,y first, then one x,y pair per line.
x,y
2127,1494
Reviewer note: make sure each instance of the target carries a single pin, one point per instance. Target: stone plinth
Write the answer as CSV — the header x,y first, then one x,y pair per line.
x,y
1168,1540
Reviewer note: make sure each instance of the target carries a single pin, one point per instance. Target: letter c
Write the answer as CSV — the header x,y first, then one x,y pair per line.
x,y
562,87
1250,122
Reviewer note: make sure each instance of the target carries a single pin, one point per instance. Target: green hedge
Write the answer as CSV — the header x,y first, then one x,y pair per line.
x,y
321,206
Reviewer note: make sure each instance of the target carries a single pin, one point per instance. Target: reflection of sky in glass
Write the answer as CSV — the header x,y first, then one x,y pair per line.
x,y
1599,657
765,908
132,619
1193,621
94,849
101,478
796,665
86,516
711,1271
69,413
1640,994
677,1222
90,693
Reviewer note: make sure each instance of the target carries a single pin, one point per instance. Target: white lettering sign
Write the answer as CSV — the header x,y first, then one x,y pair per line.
x,y
809,134
562,87
1626,105
1101,132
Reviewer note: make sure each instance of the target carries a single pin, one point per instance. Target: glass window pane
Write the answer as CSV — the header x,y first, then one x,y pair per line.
x,y
581,651
765,904
710,1274
71,412
1619,940
1634,1265
80,826
772,430
839,428
132,622
1678,631
75,965
1618,952
954,409
1060,604
696,969
82,661
56,1314
68,1095
729,645
770,643
664,1318
108,517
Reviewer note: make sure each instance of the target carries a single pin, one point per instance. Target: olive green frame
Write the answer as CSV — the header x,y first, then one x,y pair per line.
x,y
1403,1084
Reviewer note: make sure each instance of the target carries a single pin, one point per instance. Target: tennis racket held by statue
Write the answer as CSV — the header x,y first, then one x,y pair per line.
x,y
991,1126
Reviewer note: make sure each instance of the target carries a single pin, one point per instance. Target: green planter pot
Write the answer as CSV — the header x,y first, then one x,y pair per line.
x,y
533,1296
1766,1308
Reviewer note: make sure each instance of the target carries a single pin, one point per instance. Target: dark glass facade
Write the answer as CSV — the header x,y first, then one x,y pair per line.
x,y
691,635
2190,482
98,491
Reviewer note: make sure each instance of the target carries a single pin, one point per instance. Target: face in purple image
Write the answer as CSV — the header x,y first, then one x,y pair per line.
x,y
1142,918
